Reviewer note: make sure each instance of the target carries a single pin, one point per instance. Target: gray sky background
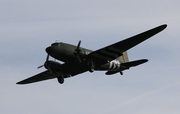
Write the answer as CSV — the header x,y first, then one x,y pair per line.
x,y
28,27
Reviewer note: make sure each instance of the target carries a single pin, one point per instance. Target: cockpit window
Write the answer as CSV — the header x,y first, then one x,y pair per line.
x,y
55,44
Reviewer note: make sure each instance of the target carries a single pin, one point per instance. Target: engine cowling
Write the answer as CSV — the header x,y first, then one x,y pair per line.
x,y
54,66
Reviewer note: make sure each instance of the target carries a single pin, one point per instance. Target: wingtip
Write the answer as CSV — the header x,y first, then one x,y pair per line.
x,y
164,26
18,83
158,29
21,82
146,60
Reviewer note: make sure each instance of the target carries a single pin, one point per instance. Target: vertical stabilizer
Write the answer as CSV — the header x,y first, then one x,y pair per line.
x,y
124,58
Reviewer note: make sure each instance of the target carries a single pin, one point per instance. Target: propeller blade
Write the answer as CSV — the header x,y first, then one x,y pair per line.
x,y
47,58
78,45
77,48
49,69
79,58
40,66
77,51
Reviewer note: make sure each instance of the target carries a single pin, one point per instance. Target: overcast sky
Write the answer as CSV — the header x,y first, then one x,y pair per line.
x,y
28,27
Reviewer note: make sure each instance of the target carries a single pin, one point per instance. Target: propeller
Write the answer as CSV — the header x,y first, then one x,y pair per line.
x,y
47,58
77,51
46,64
40,66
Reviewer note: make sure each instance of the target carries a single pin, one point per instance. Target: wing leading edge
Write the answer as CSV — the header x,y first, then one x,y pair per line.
x,y
113,51
39,77
46,75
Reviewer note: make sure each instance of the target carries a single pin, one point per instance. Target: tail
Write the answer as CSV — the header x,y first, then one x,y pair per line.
x,y
124,60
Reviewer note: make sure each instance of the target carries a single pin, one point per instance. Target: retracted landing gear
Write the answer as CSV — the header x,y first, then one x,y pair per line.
x,y
60,79
121,72
91,69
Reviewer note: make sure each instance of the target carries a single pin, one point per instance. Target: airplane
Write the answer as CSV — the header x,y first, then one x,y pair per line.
x,y
77,60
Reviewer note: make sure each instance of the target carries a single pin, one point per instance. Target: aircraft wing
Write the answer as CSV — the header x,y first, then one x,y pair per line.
x,y
113,51
39,77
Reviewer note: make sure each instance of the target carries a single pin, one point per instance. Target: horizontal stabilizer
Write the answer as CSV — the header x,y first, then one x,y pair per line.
x,y
134,63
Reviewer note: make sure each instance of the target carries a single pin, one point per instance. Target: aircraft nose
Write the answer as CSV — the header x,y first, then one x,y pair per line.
x,y
49,50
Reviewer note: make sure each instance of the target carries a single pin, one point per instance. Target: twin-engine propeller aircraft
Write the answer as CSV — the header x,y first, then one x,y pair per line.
x,y
113,58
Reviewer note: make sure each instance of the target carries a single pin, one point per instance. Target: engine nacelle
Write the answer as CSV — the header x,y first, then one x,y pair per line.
x,y
54,66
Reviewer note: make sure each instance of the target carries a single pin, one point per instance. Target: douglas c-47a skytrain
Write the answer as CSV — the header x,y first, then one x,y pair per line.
x,y
112,59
